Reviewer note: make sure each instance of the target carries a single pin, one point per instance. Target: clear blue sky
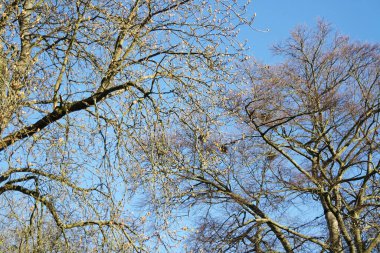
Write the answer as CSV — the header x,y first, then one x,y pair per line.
x,y
359,19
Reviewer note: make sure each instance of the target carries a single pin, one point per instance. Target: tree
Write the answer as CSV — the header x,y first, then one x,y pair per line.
x,y
303,176
81,83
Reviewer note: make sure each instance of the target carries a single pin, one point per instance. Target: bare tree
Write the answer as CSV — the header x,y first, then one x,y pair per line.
x,y
81,82
303,176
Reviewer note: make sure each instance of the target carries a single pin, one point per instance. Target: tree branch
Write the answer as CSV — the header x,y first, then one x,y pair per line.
x,y
58,113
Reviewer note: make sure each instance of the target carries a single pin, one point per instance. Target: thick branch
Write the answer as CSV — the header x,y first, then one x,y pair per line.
x,y
57,114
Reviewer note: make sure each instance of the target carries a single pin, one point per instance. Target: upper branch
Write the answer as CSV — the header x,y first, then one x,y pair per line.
x,y
57,114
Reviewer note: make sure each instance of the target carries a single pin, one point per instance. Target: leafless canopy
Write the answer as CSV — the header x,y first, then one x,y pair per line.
x,y
303,176
81,83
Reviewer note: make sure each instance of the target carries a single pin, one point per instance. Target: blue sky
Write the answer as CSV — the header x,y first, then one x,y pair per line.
x,y
359,19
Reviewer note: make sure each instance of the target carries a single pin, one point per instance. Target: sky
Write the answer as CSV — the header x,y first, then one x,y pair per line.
x,y
359,19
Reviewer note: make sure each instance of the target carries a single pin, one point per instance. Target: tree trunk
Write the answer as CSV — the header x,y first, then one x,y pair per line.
x,y
335,241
